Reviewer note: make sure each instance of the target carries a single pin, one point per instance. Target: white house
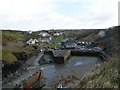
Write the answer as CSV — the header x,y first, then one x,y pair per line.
x,y
32,41
44,34
58,33
30,32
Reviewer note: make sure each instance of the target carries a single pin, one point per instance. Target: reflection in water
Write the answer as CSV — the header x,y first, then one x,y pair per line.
x,y
75,61
78,63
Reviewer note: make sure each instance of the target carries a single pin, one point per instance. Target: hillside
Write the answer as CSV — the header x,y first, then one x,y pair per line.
x,y
15,52
14,42
105,75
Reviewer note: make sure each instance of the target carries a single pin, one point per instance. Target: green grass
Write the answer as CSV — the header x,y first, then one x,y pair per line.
x,y
8,36
104,76
7,55
13,42
9,58
58,39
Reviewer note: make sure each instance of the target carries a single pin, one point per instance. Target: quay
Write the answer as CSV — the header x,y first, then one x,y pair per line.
x,y
85,53
62,56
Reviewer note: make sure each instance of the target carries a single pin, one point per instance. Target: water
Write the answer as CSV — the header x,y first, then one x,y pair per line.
x,y
75,66
75,61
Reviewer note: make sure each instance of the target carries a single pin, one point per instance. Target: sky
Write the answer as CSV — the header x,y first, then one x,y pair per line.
x,y
58,14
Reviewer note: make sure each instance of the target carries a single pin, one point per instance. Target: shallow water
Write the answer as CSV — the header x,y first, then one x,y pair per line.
x,y
75,65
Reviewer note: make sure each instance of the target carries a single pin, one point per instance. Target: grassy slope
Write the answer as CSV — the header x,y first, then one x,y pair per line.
x,y
103,76
58,39
107,74
55,39
13,41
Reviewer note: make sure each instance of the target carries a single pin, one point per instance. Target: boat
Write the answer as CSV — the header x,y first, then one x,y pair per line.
x,y
35,80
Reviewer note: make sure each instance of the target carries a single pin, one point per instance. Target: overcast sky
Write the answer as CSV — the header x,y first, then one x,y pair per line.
x,y
58,14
